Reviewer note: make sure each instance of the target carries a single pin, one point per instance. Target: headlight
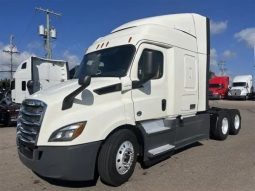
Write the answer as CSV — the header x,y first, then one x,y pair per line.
x,y
67,133
243,92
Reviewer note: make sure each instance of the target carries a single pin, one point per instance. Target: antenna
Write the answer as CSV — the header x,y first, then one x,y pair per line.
x,y
11,51
49,32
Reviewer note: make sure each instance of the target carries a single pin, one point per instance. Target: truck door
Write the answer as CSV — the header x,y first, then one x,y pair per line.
x,y
40,75
57,73
150,99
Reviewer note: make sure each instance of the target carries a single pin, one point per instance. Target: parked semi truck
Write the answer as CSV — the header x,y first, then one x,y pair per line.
x,y
8,110
141,91
242,87
36,74
218,87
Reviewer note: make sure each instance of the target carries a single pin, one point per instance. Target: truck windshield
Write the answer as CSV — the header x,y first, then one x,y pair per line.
x,y
215,86
236,84
110,62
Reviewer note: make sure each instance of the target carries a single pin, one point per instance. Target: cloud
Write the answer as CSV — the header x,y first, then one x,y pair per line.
x,y
228,54
213,57
246,35
217,58
35,45
217,27
72,59
5,60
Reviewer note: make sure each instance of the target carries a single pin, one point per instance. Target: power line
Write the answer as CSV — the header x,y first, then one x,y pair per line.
x,y
49,32
11,51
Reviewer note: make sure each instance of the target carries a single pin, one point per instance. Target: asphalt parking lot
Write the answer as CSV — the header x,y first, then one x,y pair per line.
x,y
207,166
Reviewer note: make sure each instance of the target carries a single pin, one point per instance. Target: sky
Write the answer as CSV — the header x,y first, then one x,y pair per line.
x,y
83,21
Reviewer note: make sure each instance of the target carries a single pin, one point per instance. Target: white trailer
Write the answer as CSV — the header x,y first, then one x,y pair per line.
x,y
35,74
242,87
141,91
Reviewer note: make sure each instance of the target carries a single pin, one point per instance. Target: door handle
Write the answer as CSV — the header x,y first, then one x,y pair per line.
x,y
163,104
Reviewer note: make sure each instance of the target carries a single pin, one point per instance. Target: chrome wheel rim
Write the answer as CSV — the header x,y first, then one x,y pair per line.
x,y
237,122
124,157
224,126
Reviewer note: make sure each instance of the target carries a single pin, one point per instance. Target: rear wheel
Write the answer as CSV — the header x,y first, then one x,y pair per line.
x,y
221,128
235,122
117,158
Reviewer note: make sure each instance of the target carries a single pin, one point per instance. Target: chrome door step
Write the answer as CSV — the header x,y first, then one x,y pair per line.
x,y
154,126
161,149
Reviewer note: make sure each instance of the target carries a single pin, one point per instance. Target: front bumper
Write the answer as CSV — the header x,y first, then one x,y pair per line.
x,y
75,163
236,96
214,96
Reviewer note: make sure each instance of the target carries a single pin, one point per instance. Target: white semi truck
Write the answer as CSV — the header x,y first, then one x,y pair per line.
x,y
141,91
242,87
36,74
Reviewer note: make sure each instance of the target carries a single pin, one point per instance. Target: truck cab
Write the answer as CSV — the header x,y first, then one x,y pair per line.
x,y
242,87
141,91
36,74
218,87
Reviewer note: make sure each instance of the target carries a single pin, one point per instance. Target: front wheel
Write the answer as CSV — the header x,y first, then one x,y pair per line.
x,y
117,158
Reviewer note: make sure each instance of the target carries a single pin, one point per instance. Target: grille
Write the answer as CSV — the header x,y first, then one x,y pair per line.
x,y
28,125
235,92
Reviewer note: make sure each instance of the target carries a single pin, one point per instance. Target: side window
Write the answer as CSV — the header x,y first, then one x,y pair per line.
x,y
23,85
158,61
13,84
24,65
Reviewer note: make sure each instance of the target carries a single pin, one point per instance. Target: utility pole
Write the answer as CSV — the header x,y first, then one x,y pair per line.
x,y
49,32
222,67
11,51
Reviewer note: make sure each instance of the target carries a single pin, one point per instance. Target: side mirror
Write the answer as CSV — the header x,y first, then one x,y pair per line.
x,y
84,81
147,68
30,85
148,65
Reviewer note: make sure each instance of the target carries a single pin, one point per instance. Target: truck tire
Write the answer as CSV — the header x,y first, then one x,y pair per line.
x,y
117,158
235,122
222,126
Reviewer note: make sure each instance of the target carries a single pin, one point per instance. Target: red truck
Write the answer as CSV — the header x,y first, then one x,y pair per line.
x,y
218,87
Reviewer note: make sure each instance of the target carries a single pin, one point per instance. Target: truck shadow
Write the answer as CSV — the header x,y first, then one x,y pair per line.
x,y
196,144
167,155
69,184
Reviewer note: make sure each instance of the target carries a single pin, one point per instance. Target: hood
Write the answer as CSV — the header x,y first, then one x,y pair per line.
x,y
60,91
238,88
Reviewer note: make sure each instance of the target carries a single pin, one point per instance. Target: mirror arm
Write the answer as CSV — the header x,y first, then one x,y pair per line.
x,y
68,100
137,84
